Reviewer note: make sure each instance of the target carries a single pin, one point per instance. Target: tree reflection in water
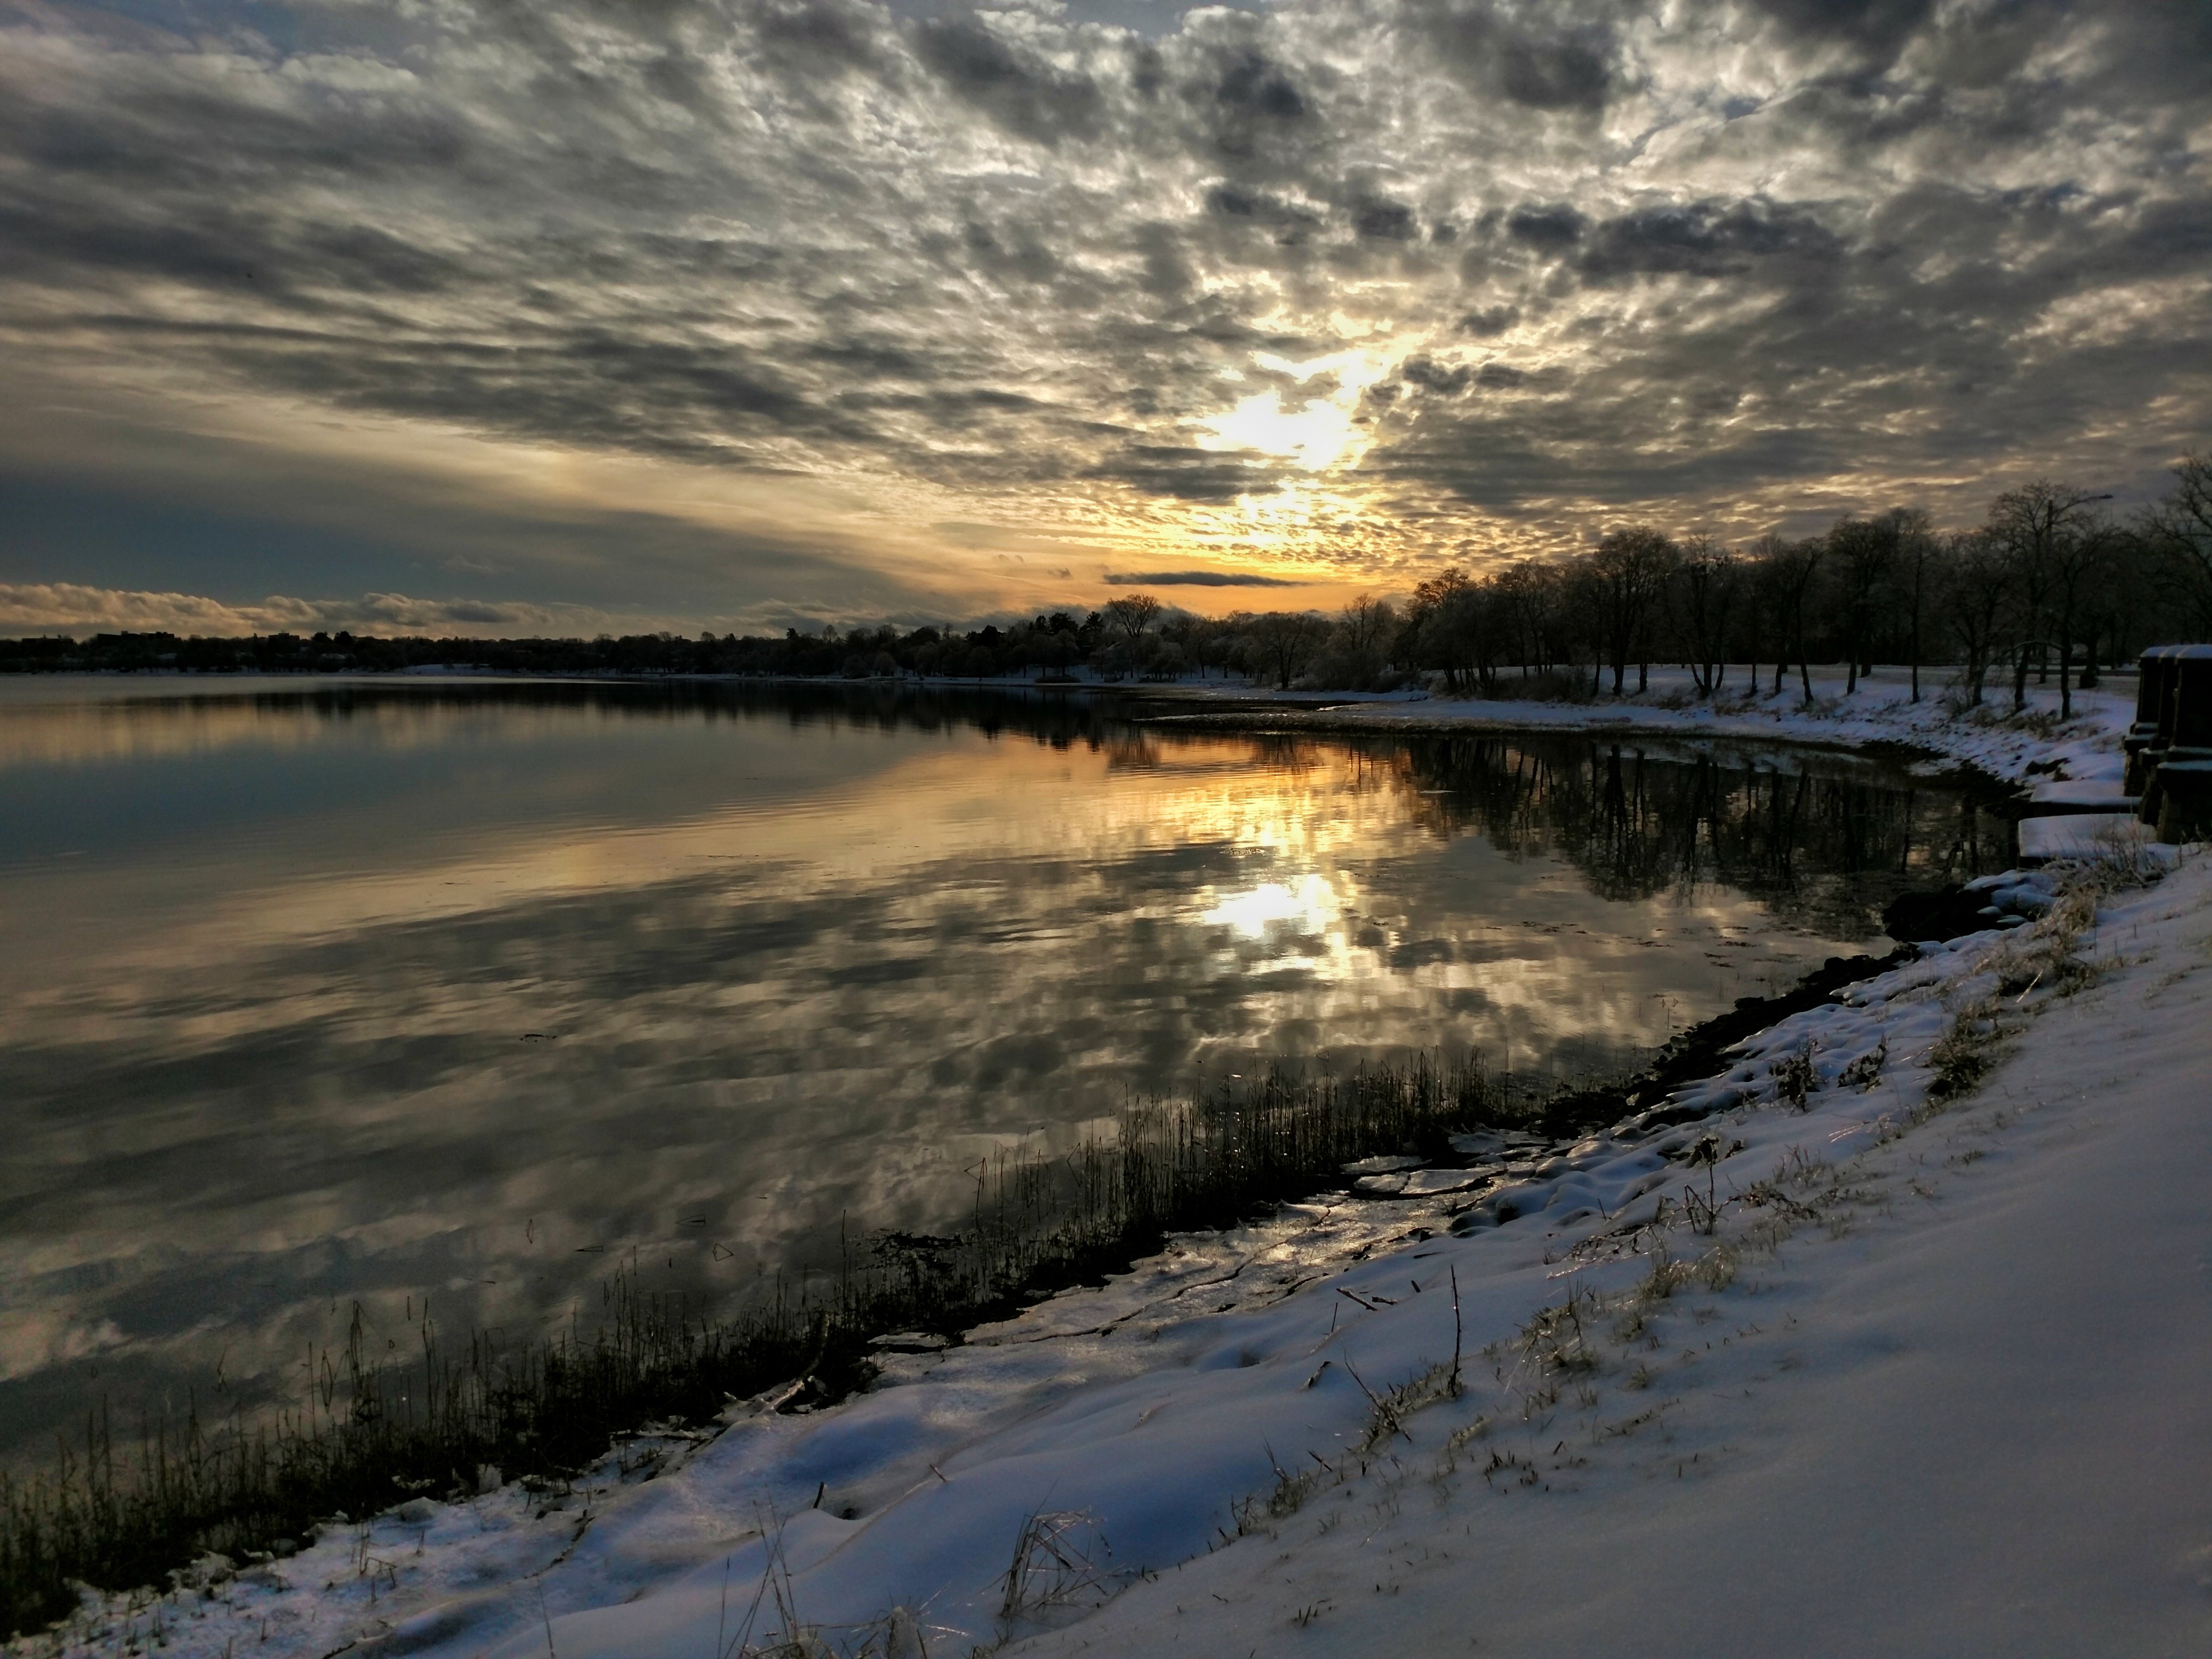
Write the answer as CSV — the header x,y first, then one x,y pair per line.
x,y
1824,843
378,987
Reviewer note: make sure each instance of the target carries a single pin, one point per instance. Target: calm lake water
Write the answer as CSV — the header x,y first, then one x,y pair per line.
x,y
313,992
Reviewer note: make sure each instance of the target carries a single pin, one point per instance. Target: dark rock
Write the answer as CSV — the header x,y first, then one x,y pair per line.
x,y
1945,913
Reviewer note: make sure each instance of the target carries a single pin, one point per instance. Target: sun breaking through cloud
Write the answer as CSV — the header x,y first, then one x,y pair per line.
x,y
746,309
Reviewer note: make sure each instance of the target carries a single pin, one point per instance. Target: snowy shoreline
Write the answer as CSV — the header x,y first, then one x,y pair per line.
x,y
1143,1466
1880,715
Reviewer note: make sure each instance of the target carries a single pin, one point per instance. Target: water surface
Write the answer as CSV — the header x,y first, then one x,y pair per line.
x,y
469,991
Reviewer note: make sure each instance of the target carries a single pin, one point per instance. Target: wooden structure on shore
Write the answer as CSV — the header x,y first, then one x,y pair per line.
x,y
2169,747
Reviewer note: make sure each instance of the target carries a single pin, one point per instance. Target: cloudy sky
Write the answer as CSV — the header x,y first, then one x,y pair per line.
x,y
539,315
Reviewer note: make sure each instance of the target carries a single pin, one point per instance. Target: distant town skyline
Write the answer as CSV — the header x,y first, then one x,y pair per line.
x,y
737,314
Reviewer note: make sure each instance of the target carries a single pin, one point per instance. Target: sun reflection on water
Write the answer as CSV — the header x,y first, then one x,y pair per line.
x,y
447,987
1306,905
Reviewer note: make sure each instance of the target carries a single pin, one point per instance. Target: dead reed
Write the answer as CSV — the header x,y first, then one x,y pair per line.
x,y
376,1428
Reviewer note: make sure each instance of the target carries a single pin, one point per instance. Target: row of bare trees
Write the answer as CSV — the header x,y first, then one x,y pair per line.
x,y
2050,581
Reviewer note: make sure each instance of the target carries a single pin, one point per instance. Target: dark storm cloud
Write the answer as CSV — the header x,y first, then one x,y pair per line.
x,y
1237,100
1703,239
1192,579
1026,95
1553,256
1258,91
1557,225
823,35
1555,74
1504,465
1288,221
1880,26
1490,321
690,401
1425,371
1187,474
245,521
1560,62
1390,221
1957,383
136,138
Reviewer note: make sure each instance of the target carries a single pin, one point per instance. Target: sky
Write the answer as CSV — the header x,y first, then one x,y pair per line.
x,y
559,316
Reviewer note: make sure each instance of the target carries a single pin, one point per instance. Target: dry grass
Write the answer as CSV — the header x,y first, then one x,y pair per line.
x,y
375,1431
2039,958
1966,1052
1795,1078
1570,1352
1060,1561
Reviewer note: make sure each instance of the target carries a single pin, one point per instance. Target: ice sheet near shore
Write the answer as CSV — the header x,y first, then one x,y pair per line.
x,y
1872,1373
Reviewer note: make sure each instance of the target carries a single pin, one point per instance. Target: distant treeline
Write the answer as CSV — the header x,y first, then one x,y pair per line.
x,y
1048,644
2050,580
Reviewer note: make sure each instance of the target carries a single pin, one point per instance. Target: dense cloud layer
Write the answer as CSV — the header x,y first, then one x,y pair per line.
x,y
1344,286
73,609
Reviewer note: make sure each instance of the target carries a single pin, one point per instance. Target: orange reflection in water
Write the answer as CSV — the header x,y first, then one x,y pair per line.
x,y
376,993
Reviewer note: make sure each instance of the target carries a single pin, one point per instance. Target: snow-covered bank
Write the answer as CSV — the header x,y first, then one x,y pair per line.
x,y
2015,749
1952,1402
1827,1371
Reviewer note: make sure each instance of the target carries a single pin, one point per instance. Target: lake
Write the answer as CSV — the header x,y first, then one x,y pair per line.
x,y
315,994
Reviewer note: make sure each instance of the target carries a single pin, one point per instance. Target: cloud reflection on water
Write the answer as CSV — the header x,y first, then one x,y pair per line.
x,y
481,994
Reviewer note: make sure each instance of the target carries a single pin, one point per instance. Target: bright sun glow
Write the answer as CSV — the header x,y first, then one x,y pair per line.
x,y
1316,432
1315,437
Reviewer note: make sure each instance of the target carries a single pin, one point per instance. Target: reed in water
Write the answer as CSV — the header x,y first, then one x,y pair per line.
x,y
379,1427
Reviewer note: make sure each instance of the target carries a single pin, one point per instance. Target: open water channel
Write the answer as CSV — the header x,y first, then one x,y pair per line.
x,y
320,994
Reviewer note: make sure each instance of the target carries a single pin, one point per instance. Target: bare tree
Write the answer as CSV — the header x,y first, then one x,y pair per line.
x,y
1861,555
1366,622
1196,640
1531,599
1787,572
2180,528
2079,558
1432,590
1457,632
1420,639
1359,643
1701,598
2136,598
2033,524
1211,642
1919,574
1132,614
1284,641
1474,622
1977,599
1627,577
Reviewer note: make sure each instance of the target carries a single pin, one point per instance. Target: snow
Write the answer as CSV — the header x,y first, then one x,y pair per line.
x,y
2084,794
1840,1366
1881,711
2083,835
1975,1423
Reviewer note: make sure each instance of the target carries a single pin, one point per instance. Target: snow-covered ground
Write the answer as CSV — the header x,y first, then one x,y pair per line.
x,y
1846,1364
1951,1400
1990,738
